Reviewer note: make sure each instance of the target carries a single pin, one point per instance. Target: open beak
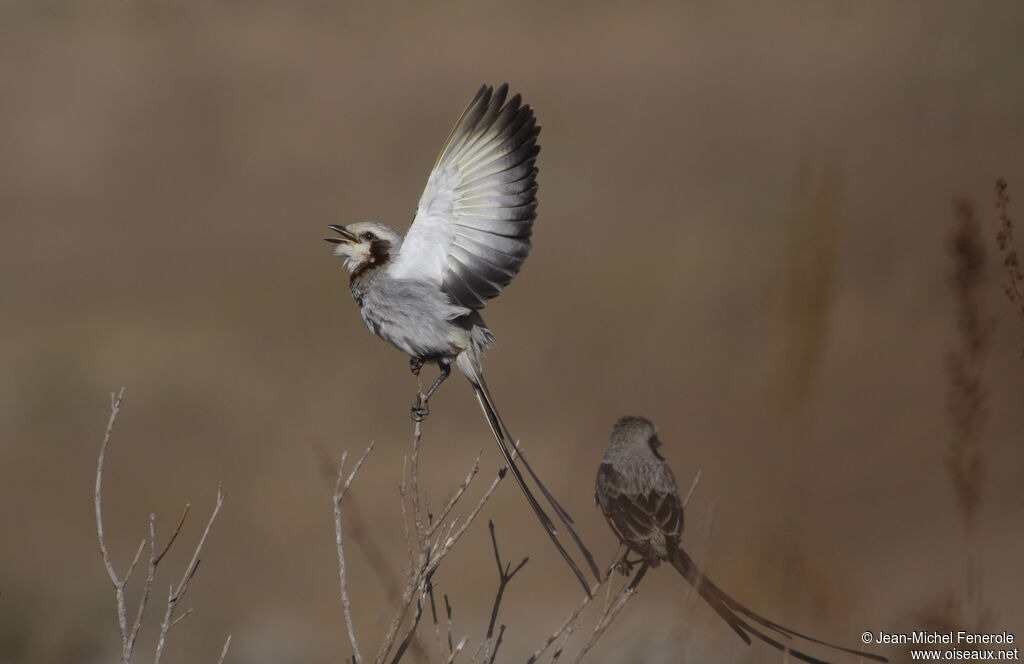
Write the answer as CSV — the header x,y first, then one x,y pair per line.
x,y
346,235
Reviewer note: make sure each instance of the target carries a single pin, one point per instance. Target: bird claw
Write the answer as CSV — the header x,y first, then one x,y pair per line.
x,y
415,364
623,567
420,409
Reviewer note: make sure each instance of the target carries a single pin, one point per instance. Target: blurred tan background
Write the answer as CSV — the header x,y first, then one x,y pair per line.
x,y
742,235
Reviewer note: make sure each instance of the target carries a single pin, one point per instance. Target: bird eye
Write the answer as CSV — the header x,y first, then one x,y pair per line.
x,y
369,237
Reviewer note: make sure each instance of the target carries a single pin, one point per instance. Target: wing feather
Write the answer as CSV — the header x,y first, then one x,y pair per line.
x,y
489,244
472,228
648,520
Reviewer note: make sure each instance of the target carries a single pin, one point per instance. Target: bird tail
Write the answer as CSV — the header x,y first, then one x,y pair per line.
x,y
728,608
470,366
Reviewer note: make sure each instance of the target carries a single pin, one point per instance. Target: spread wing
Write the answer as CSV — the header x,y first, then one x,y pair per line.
x,y
648,520
473,223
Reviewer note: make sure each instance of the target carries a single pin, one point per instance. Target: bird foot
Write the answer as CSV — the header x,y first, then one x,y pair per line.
x,y
415,364
623,567
420,409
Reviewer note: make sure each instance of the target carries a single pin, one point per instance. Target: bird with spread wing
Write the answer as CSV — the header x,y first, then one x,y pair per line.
x,y
423,293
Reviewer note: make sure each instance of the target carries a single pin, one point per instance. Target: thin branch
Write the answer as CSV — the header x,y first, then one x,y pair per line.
x,y
448,616
497,642
414,485
620,601
458,493
458,648
693,485
115,408
570,620
181,617
118,583
452,539
129,635
560,648
437,624
429,550
154,560
341,487
358,532
177,594
174,535
406,524
505,574
411,632
224,651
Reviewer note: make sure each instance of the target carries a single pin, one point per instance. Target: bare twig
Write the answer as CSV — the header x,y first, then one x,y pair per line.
x,y
448,620
154,560
612,612
693,485
119,584
445,652
341,487
177,594
446,545
505,574
414,485
224,651
569,621
129,635
406,524
358,531
411,632
428,541
458,493
181,617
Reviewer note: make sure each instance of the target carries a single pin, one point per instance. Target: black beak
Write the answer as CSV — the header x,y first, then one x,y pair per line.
x,y
346,235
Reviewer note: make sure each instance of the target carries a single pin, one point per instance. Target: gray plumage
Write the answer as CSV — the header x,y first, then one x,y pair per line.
x,y
423,293
416,318
638,495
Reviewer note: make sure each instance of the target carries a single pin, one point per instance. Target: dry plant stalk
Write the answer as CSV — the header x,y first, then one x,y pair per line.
x,y
967,393
1014,284
129,634
340,489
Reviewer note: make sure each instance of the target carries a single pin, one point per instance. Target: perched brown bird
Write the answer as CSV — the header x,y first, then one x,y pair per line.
x,y
639,497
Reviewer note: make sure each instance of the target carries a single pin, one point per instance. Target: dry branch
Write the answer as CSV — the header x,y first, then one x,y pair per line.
x,y
428,541
505,575
129,635
341,487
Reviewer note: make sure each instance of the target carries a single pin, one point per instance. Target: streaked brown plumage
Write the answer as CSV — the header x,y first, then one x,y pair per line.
x,y
638,495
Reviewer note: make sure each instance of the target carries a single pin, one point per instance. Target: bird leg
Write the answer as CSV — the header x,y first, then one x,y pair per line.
x,y
420,409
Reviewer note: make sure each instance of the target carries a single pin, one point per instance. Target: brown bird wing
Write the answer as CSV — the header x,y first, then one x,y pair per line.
x,y
648,520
